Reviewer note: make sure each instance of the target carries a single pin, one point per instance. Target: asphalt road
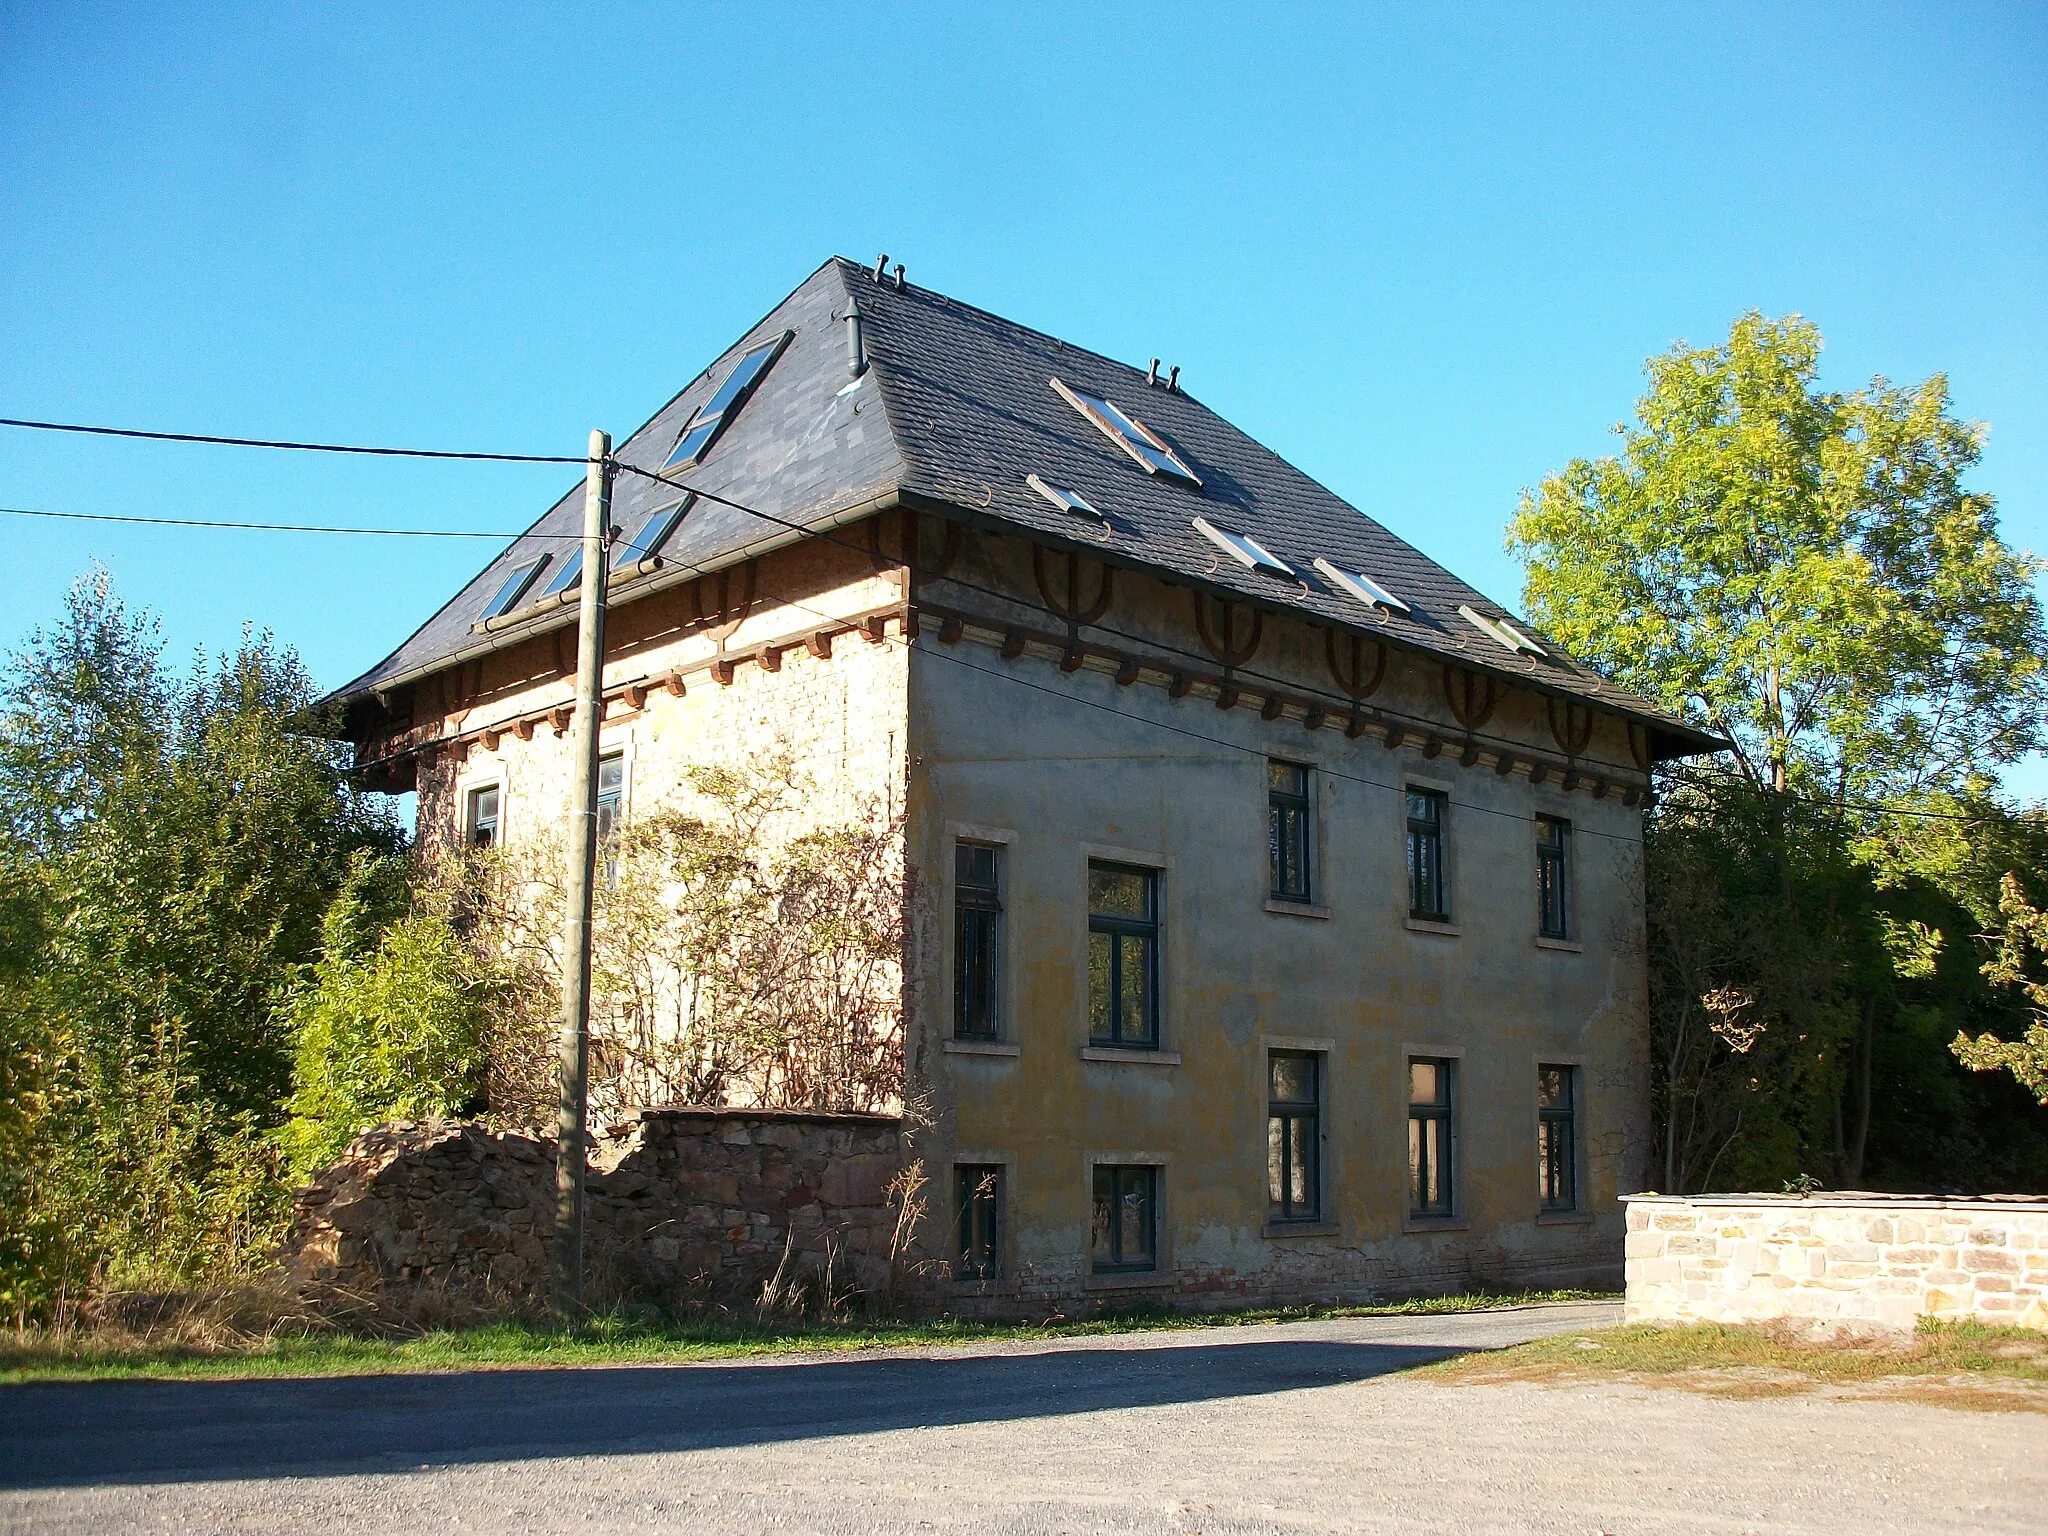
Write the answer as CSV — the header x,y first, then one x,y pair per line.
x,y
1289,1428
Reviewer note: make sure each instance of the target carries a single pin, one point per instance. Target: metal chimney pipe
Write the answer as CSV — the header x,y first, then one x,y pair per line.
x,y
856,350
899,277
881,266
1173,378
1152,374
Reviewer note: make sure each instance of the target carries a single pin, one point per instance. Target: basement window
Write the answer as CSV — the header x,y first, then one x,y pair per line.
x,y
702,431
514,587
1064,499
1129,434
1500,631
1243,548
1361,586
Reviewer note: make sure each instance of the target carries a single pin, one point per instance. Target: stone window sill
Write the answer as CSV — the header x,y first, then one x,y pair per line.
x,y
978,1048
1299,1229
1435,1224
1140,1057
1296,908
1140,1280
1564,1218
1426,925
1563,946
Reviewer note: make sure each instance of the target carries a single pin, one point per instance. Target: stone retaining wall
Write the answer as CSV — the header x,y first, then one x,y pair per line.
x,y
681,1204
1858,1259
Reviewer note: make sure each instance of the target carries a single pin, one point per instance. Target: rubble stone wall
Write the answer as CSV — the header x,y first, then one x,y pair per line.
x,y
680,1204
1857,1259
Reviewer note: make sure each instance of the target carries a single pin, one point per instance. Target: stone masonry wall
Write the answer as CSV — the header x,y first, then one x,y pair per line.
x,y
681,1204
1858,1259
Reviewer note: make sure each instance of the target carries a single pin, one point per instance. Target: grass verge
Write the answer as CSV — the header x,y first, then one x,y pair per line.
x,y
33,1355
1958,1364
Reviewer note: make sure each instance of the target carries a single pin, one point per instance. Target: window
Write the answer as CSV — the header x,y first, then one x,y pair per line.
x,y
977,932
1129,434
1426,855
1061,497
1500,631
653,533
1124,1236
1123,956
483,817
514,587
568,577
1287,829
1293,1139
978,1193
1361,586
1243,548
1430,1136
1553,877
1556,1141
711,418
611,795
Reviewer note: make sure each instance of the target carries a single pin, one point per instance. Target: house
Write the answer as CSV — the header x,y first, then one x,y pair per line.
x,y
1281,897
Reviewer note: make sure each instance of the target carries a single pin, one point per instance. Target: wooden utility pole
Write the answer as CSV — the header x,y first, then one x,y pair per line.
x,y
582,848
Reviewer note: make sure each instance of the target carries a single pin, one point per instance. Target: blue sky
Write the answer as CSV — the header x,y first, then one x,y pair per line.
x,y
1421,252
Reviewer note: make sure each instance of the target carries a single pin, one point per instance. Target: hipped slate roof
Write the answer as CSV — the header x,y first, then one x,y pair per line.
x,y
957,409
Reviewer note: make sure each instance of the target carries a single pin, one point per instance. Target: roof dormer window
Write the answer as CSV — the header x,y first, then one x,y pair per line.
x,y
1129,434
1501,631
711,418
1361,586
646,544
1061,497
1243,548
514,587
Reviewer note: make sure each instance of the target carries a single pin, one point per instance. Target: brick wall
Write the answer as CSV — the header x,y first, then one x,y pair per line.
x,y
1868,1260
682,1204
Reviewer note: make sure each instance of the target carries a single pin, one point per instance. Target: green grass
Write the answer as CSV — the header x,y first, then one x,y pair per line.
x,y
622,1340
1961,1363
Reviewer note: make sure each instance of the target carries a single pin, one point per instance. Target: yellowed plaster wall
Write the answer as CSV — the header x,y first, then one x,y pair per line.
x,y
1061,765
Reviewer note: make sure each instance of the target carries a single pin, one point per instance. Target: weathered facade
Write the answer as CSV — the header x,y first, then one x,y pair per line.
x,y
1275,899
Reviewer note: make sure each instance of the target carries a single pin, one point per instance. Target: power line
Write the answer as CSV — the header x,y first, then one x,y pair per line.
x,y
202,522
264,442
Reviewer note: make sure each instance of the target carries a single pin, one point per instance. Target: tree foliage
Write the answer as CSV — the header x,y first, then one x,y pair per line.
x,y
393,1021
179,836
1806,572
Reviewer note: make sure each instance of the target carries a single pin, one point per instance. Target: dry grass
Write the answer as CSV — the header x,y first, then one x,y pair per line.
x,y
1957,1365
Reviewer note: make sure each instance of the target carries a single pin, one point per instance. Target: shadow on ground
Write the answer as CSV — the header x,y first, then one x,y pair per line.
x,y
57,1435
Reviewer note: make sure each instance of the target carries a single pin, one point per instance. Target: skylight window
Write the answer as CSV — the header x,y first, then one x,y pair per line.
x,y
1362,587
1243,548
1129,434
1061,497
1500,630
653,533
569,576
514,587
713,414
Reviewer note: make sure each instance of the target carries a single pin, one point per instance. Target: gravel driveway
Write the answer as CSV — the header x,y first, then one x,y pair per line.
x,y
1288,1428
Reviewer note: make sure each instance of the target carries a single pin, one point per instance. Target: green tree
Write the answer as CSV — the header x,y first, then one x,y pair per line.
x,y
182,835
393,1022
1805,572
1800,569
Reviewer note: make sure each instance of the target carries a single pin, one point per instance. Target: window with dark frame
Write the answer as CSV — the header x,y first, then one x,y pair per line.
x,y
1294,1135
978,1195
1556,1139
1554,876
1288,827
1123,956
1426,855
1431,1136
977,939
1123,1238
483,817
611,799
